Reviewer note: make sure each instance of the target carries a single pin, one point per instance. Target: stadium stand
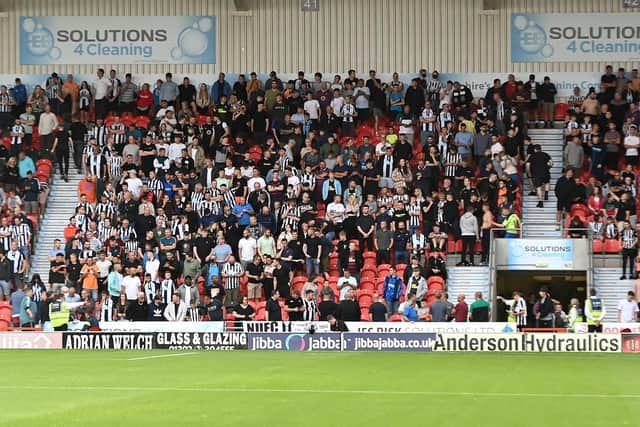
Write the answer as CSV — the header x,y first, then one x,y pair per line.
x,y
246,188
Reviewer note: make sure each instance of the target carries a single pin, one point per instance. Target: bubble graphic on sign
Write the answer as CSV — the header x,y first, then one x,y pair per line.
x,y
532,38
39,40
55,53
520,22
193,41
29,25
547,51
176,53
205,24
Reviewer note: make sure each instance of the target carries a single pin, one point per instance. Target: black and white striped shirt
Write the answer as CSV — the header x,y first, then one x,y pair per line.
x,y
6,103
310,310
347,111
17,261
118,138
194,314
308,178
82,221
233,273
156,186
230,198
167,288
628,236
150,288
18,130
127,234
38,292
520,312
106,310
427,113
5,241
292,217
449,157
443,118
95,164
105,232
196,200
22,233
115,166
88,208
100,134
109,209
414,211
211,205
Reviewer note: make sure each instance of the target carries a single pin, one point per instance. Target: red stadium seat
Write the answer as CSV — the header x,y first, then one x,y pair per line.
x,y
612,246
367,286
598,246
396,318
560,111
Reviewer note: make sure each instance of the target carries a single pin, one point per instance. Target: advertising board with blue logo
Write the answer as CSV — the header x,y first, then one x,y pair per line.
x,y
527,254
342,342
117,40
583,37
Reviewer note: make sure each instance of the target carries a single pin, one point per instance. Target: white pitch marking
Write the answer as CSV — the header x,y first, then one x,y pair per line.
x,y
288,391
160,356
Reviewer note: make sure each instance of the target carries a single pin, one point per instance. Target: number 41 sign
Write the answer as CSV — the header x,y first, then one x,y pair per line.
x,y
312,5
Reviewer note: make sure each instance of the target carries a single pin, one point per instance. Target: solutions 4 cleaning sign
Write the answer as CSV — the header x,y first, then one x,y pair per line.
x,y
117,40
528,254
558,37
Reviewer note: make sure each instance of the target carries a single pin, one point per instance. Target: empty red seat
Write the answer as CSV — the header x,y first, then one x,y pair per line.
x,y
598,246
611,246
560,111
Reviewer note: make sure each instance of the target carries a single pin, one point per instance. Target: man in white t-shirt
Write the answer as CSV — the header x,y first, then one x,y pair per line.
x,y
312,107
152,266
134,183
100,89
131,285
628,309
361,95
346,283
337,102
631,144
247,248
335,210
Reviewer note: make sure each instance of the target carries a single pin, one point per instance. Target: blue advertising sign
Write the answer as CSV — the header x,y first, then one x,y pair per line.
x,y
389,342
117,40
294,342
553,254
572,37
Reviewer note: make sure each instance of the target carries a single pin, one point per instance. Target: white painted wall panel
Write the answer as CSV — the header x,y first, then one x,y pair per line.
x,y
388,35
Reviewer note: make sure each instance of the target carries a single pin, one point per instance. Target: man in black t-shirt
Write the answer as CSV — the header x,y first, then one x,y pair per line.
x,y
377,310
273,312
348,310
294,306
328,304
214,308
365,224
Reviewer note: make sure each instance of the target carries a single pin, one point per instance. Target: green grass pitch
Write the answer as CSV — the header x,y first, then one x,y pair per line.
x,y
163,388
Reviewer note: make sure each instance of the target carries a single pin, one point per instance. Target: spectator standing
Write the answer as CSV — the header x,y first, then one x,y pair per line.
x,y
480,310
47,125
548,92
273,311
392,290
348,310
628,309
469,231
438,308
461,310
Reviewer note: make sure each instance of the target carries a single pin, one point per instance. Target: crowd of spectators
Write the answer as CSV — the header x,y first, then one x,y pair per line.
x,y
191,194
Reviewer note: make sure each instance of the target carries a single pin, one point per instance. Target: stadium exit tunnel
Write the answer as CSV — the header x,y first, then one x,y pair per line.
x,y
563,286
